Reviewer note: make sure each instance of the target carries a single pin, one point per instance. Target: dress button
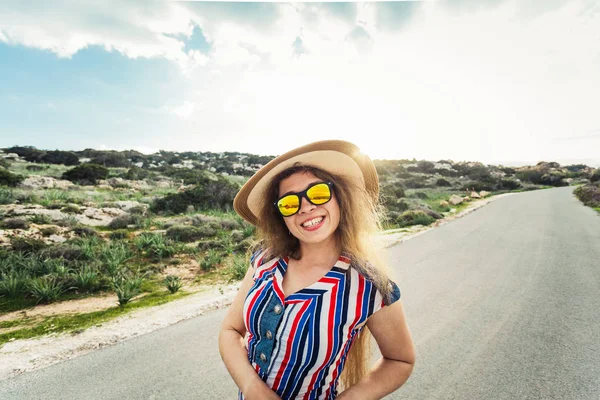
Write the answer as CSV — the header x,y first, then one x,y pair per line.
x,y
263,357
277,309
269,335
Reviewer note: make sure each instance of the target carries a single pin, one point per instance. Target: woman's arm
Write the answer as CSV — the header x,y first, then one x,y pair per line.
x,y
390,330
233,351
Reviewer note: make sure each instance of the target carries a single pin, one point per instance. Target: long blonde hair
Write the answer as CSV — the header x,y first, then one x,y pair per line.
x,y
360,220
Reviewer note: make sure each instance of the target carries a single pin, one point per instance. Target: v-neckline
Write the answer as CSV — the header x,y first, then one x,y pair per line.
x,y
282,266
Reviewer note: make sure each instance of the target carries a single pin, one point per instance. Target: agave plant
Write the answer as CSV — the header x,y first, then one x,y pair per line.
x,y
46,288
13,285
173,283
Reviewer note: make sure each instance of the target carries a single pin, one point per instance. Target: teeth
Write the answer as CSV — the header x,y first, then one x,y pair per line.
x,y
313,222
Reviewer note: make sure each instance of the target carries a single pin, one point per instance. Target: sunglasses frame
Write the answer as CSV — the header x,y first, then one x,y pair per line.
x,y
302,194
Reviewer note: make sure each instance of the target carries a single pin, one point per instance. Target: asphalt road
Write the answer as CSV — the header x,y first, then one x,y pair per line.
x,y
503,303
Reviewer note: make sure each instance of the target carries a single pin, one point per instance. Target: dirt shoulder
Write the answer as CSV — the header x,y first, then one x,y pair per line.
x,y
26,355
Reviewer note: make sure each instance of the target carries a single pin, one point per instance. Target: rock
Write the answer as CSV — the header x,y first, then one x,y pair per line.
x,y
57,239
126,205
44,182
444,203
163,184
475,195
454,200
33,209
104,187
466,198
483,193
13,156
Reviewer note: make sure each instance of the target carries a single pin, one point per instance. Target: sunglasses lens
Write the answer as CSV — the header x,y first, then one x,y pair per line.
x,y
319,194
288,205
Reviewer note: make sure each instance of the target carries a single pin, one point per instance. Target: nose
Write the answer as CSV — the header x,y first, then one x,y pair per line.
x,y
306,206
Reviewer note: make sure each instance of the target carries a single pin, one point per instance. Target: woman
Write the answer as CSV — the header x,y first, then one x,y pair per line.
x,y
317,285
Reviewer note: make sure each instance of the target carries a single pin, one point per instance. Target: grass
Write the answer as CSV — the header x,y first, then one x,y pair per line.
x,y
77,323
52,170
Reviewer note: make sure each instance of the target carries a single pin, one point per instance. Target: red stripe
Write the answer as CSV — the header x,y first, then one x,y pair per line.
x,y
330,319
345,259
290,343
359,299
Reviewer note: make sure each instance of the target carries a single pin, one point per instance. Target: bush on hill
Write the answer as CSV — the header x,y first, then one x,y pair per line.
x,y
414,217
442,182
60,157
111,159
589,195
136,173
7,178
29,153
86,174
217,194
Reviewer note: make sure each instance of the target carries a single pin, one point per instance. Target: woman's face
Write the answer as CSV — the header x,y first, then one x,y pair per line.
x,y
312,223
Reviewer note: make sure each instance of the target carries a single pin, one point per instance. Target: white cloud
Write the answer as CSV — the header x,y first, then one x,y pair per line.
x,y
476,84
185,110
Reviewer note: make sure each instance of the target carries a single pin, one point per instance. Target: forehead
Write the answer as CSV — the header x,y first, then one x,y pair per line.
x,y
297,182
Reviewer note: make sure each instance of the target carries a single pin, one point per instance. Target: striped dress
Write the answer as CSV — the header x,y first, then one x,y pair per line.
x,y
298,345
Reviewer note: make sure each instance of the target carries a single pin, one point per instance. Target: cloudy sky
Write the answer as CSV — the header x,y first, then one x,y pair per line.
x,y
486,80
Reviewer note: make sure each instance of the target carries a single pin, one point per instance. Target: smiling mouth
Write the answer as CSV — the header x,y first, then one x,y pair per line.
x,y
313,222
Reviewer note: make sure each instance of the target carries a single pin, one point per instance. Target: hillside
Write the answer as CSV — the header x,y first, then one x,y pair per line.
x,y
150,228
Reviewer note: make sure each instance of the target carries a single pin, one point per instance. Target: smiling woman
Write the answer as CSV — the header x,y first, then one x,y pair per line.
x,y
299,325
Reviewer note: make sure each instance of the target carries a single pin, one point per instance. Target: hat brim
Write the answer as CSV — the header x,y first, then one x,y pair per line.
x,y
337,157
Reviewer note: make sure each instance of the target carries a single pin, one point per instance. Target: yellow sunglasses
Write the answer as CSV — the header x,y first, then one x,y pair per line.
x,y
317,194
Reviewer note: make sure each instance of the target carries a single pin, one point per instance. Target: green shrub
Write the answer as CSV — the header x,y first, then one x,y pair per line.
x,y
66,251
589,195
6,196
69,221
49,231
414,217
184,233
37,168
395,204
27,245
126,288
86,174
86,279
46,289
111,159
595,177
113,255
71,209
136,173
121,222
84,231
419,195
210,260
238,269
208,195
29,153
173,283
40,219
155,246
12,285
60,157
7,178
508,184
119,234
415,183
442,182
15,223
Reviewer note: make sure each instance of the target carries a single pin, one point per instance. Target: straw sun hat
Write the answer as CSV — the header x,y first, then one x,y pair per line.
x,y
337,157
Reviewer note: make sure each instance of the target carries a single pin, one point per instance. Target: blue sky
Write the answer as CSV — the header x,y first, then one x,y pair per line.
x,y
495,80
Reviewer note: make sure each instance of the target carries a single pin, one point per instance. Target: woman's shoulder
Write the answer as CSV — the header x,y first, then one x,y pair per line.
x,y
260,256
385,287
